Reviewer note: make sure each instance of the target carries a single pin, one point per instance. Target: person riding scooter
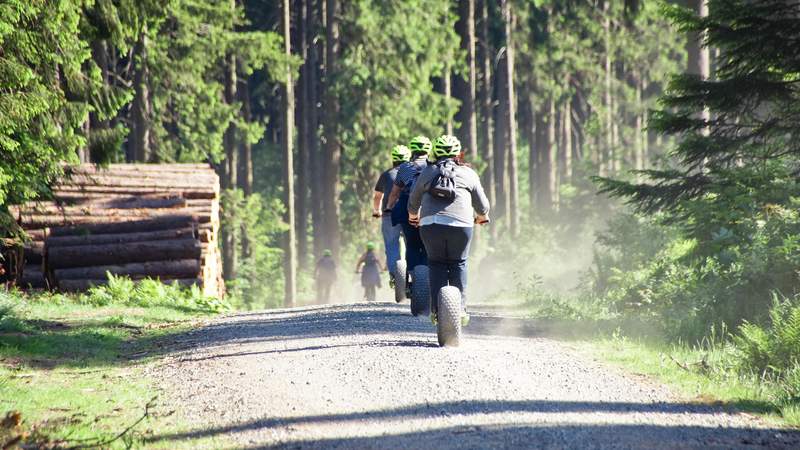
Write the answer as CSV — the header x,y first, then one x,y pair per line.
x,y
370,272
380,209
443,204
407,174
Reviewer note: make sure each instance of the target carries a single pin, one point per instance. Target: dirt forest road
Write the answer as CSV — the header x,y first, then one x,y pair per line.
x,y
370,376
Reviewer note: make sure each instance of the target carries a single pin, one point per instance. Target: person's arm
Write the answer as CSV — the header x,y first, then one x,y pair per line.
x,y
415,199
361,261
394,196
479,200
376,204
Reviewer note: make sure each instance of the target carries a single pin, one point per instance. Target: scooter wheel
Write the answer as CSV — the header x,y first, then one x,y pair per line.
x,y
400,277
420,291
448,327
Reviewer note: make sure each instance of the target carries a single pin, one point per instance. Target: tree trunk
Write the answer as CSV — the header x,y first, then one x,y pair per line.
x,y
330,169
133,226
606,164
646,135
447,79
303,137
312,109
552,156
638,156
566,141
125,191
228,179
290,258
699,58
486,103
500,144
511,122
530,130
245,173
32,277
141,110
129,252
183,268
120,238
466,87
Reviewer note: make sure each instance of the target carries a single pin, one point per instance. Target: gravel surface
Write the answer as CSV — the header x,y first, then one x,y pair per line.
x,y
371,376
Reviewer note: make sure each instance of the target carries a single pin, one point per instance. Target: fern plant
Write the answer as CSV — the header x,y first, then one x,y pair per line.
x,y
774,347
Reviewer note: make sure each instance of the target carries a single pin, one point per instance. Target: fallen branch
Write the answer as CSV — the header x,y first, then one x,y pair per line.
x,y
87,443
680,364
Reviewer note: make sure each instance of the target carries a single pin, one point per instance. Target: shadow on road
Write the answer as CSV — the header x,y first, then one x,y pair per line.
x,y
338,320
508,436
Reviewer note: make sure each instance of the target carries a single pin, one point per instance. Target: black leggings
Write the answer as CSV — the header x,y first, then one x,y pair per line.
x,y
447,248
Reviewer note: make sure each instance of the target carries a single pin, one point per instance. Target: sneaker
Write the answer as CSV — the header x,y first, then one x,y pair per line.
x,y
434,320
464,319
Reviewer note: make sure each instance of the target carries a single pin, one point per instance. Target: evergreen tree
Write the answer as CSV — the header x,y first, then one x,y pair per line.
x,y
731,168
42,94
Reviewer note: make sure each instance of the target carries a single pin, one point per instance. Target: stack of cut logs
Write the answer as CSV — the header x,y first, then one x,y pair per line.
x,y
137,220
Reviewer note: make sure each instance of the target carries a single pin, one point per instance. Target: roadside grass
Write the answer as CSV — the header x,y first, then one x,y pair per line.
x,y
74,371
698,374
705,372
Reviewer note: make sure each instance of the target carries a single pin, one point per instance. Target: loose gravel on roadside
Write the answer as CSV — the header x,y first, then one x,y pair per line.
x,y
370,376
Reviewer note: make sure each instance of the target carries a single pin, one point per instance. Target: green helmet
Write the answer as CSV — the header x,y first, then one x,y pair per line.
x,y
400,153
420,144
370,246
446,145
327,253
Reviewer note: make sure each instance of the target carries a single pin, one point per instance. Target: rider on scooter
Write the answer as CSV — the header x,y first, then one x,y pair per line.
x,y
407,174
380,199
450,195
369,266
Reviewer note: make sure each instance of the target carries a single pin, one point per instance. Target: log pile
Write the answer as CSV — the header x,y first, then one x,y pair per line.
x,y
138,220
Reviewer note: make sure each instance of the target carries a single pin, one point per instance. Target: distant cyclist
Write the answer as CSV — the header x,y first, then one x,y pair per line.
x,y
446,202
380,199
407,174
370,267
325,276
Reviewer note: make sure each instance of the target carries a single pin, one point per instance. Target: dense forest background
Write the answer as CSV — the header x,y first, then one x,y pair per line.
x,y
685,110
542,94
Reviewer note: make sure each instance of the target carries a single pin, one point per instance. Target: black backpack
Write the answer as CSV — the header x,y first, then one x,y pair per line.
x,y
443,184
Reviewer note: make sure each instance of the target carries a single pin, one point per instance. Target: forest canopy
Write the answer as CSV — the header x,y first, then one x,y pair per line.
x,y
686,110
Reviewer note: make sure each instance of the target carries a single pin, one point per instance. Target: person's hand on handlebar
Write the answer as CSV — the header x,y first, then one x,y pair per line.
x,y
413,220
482,219
376,213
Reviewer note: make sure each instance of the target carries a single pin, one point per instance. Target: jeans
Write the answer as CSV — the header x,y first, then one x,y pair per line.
x,y
415,250
391,242
447,248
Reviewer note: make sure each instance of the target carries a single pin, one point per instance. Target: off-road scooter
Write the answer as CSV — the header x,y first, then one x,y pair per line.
x,y
415,286
449,312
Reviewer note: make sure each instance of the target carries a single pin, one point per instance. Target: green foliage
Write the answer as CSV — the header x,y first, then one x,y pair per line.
x,y
149,293
391,52
683,286
187,60
260,271
728,192
42,54
774,347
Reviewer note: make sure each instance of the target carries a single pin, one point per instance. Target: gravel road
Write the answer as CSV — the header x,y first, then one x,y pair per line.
x,y
370,376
